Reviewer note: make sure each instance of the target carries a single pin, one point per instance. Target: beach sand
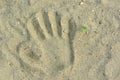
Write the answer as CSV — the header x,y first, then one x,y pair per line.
x,y
59,39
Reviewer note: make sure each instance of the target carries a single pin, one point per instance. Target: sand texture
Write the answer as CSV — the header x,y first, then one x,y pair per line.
x,y
59,39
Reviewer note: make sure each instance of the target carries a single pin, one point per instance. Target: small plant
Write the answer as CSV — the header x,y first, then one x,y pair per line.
x,y
84,28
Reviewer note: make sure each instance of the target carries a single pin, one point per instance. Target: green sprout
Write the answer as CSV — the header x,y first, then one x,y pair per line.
x,y
84,28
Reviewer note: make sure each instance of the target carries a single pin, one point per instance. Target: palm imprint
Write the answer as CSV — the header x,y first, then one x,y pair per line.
x,y
51,33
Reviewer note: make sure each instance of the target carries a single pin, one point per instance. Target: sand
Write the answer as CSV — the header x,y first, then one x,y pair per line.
x,y
59,39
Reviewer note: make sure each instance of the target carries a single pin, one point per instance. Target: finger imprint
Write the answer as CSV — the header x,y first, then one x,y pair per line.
x,y
52,18
42,24
65,27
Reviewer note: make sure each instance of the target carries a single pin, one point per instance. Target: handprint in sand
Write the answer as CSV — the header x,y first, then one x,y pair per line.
x,y
52,33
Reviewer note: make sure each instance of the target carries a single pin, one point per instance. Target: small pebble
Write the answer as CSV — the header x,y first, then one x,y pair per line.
x,y
93,10
81,3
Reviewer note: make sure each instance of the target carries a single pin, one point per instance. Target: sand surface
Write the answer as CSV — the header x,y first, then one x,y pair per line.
x,y
46,40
